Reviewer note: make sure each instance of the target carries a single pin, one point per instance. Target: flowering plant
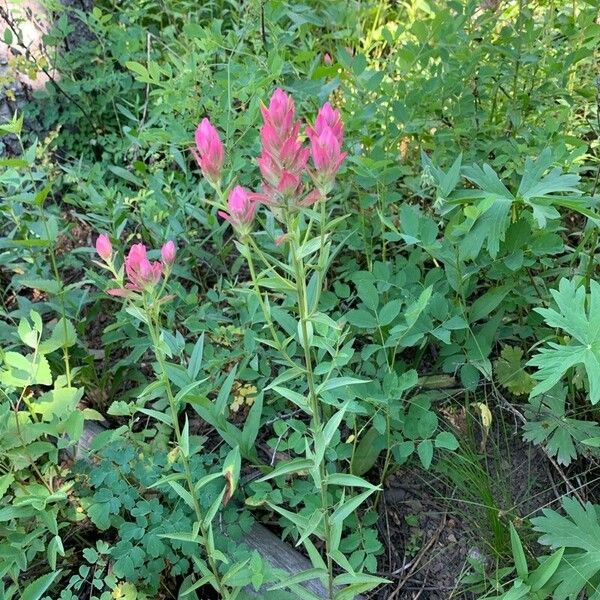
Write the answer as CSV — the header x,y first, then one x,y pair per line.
x,y
297,175
296,178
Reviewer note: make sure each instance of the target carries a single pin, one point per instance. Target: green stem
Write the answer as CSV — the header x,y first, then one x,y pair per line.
x,y
591,266
152,325
265,311
314,403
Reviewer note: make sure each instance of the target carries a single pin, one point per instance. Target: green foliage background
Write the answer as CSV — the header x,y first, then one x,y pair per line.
x,y
469,259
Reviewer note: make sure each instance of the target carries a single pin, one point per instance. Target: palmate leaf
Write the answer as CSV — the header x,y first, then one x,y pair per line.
x,y
583,326
488,207
510,372
548,424
579,534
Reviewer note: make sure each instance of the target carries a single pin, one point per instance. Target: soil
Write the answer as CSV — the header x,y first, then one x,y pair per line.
x,y
430,527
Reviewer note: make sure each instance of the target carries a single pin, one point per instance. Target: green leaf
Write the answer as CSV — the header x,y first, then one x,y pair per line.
x,y
185,438
292,466
333,425
367,452
579,533
554,360
368,293
23,371
362,578
184,391
212,511
425,452
297,519
183,536
298,399
485,304
171,477
50,286
36,589
361,319
137,68
156,414
301,577
518,554
389,312
345,509
126,175
104,438
225,392
348,480
206,480
60,402
182,493
29,336
546,570
311,526
63,336
195,362
548,425
6,481
447,440
337,382
188,586
510,371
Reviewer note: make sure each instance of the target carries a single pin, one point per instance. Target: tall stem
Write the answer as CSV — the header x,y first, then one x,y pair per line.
x,y
265,311
152,325
313,399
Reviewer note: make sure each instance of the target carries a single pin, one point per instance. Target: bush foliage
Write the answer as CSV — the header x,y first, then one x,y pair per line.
x,y
269,251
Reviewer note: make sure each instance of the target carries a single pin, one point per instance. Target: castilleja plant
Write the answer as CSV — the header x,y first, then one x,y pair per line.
x,y
141,283
298,168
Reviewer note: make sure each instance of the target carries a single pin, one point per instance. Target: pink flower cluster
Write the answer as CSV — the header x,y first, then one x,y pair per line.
x,y
282,161
283,157
210,152
142,275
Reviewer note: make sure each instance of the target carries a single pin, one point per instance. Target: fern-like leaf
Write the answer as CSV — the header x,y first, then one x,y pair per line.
x,y
579,533
583,326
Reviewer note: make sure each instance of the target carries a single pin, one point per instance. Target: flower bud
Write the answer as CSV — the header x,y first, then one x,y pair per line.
x,y
167,253
210,153
141,273
280,112
104,247
327,156
241,208
327,117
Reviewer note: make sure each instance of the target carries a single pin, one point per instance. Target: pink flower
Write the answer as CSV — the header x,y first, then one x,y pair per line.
x,y
141,273
104,247
270,171
167,253
241,209
283,157
289,184
327,117
210,153
288,187
280,113
327,59
311,198
327,156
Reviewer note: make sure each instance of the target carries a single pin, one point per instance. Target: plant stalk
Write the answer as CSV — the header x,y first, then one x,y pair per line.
x,y
152,325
